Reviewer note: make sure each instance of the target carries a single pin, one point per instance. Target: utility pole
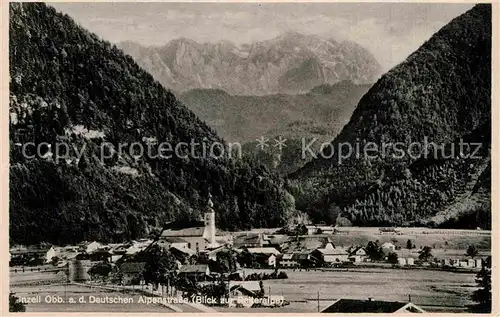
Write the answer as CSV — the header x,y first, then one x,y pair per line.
x,y
318,301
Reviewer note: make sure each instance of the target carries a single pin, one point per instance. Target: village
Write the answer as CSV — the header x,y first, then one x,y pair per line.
x,y
234,267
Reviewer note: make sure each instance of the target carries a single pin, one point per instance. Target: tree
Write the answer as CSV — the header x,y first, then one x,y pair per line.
x,y
374,251
425,253
226,261
392,258
409,244
300,230
101,269
246,259
160,265
472,251
482,296
54,260
15,305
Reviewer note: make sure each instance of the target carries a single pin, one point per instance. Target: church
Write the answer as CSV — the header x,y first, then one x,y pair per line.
x,y
197,239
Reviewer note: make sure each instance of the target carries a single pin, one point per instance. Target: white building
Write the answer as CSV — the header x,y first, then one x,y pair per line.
x,y
50,254
330,254
358,255
479,263
93,246
199,238
388,247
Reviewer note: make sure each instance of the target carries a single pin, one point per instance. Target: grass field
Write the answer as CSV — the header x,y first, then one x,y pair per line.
x,y
460,240
432,290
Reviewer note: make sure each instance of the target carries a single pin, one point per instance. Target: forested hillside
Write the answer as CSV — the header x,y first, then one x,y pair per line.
x,y
440,93
69,87
317,115
320,112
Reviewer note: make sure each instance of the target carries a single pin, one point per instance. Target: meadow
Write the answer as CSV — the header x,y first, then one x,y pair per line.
x,y
434,291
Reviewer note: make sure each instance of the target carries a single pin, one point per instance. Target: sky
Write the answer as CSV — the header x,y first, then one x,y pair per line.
x,y
390,31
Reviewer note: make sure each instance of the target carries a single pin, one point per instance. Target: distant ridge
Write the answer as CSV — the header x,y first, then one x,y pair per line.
x,y
291,63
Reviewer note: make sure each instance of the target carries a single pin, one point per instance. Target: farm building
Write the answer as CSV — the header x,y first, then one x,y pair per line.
x,y
330,254
287,260
241,290
388,247
198,272
371,306
33,253
479,263
132,272
358,255
250,240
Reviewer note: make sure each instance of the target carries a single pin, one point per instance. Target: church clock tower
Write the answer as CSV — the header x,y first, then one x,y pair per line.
x,y
209,219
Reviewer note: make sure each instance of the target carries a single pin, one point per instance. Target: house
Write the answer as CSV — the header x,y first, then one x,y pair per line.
x,y
287,260
267,251
52,252
479,263
197,238
31,254
198,272
91,247
142,243
133,249
211,254
120,249
358,255
182,254
266,256
305,259
402,261
297,259
132,272
101,254
115,257
410,261
250,240
241,291
271,260
276,240
388,247
329,254
471,263
371,306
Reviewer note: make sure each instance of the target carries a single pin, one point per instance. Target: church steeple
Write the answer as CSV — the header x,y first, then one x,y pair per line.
x,y
209,219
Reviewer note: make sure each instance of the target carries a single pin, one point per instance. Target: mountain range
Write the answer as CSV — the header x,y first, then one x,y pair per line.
x,y
441,93
291,63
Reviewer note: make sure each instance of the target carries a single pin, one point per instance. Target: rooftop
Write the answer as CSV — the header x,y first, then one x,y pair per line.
x,y
264,251
366,306
186,232
198,268
132,267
